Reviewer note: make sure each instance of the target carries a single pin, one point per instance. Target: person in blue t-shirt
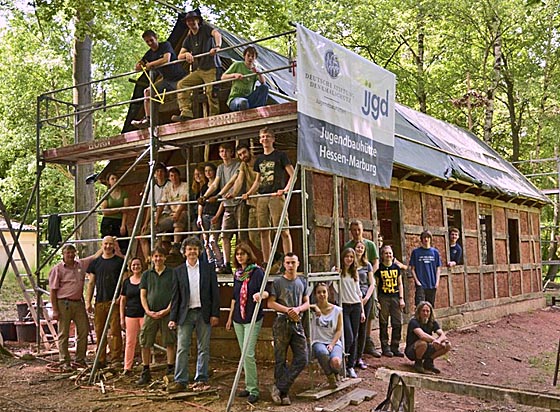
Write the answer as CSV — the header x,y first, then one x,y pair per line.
x,y
158,55
425,264
455,249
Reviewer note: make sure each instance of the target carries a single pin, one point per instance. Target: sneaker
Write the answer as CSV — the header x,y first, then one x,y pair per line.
x,y
429,366
175,387
418,367
331,379
253,398
65,368
127,372
387,352
243,394
145,378
180,118
286,400
351,373
142,123
361,364
275,395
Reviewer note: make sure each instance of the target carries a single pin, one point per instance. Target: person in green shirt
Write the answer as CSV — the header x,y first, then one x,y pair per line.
x,y
243,94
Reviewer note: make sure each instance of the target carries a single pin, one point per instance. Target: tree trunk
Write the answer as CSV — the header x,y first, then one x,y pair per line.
x,y
420,72
497,51
84,194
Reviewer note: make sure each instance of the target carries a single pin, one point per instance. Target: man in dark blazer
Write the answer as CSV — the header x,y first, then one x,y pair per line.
x,y
195,305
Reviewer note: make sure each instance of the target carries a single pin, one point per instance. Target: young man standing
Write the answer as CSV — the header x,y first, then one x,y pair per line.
x,y
390,294
357,233
66,283
201,38
158,55
104,274
289,299
177,220
195,306
425,264
243,94
455,249
224,181
245,179
155,294
271,167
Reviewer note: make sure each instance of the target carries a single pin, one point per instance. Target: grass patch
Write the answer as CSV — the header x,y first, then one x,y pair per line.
x,y
545,362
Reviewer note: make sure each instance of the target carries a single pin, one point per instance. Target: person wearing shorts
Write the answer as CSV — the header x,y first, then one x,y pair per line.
x,y
272,168
422,346
156,293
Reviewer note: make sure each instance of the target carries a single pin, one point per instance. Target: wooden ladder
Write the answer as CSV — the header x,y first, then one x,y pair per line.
x,y
28,284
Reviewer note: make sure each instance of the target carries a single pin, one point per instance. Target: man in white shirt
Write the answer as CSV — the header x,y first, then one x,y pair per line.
x,y
195,306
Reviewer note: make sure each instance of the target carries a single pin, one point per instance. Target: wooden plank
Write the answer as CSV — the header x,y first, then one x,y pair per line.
x,y
347,399
361,395
477,390
318,393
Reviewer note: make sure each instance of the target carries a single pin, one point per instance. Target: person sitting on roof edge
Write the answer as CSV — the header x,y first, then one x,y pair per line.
x,y
158,55
243,94
201,39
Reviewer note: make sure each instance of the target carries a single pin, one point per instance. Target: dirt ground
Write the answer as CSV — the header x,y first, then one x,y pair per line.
x,y
518,351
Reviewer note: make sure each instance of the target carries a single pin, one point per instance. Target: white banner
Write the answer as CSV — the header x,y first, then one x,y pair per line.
x,y
346,111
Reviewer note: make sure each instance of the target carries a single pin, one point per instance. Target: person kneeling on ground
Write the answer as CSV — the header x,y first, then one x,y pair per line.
x,y
326,331
421,346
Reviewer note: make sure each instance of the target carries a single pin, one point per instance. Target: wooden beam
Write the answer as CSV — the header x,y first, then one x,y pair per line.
x,y
476,390
318,393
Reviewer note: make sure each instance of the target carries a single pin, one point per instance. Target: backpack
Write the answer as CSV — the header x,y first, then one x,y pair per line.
x,y
398,396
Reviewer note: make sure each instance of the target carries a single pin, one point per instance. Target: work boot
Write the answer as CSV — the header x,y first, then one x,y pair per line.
x,y
275,395
175,387
387,352
418,367
429,366
145,378
370,348
331,379
396,352
180,118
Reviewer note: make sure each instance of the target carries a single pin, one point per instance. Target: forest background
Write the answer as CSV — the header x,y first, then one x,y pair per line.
x,y
489,66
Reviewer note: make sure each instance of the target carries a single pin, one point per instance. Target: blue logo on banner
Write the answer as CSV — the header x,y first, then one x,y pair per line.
x,y
332,66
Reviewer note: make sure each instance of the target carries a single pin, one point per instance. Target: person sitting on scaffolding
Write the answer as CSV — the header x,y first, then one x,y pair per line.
x,y
224,181
158,55
160,183
209,216
272,167
200,39
176,221
243,94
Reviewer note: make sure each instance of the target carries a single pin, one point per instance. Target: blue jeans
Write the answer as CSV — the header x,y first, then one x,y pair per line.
x,y
324,357
256,99
351,314
250,364
288,334
194,321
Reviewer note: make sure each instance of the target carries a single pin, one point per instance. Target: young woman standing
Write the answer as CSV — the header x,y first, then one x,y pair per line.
x,y
247,284
352,307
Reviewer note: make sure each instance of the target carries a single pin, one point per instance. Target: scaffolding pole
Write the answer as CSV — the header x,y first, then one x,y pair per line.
x,y
101,340
263,287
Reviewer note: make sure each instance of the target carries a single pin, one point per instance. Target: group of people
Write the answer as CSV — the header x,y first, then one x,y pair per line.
x,y
177,301
200,49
